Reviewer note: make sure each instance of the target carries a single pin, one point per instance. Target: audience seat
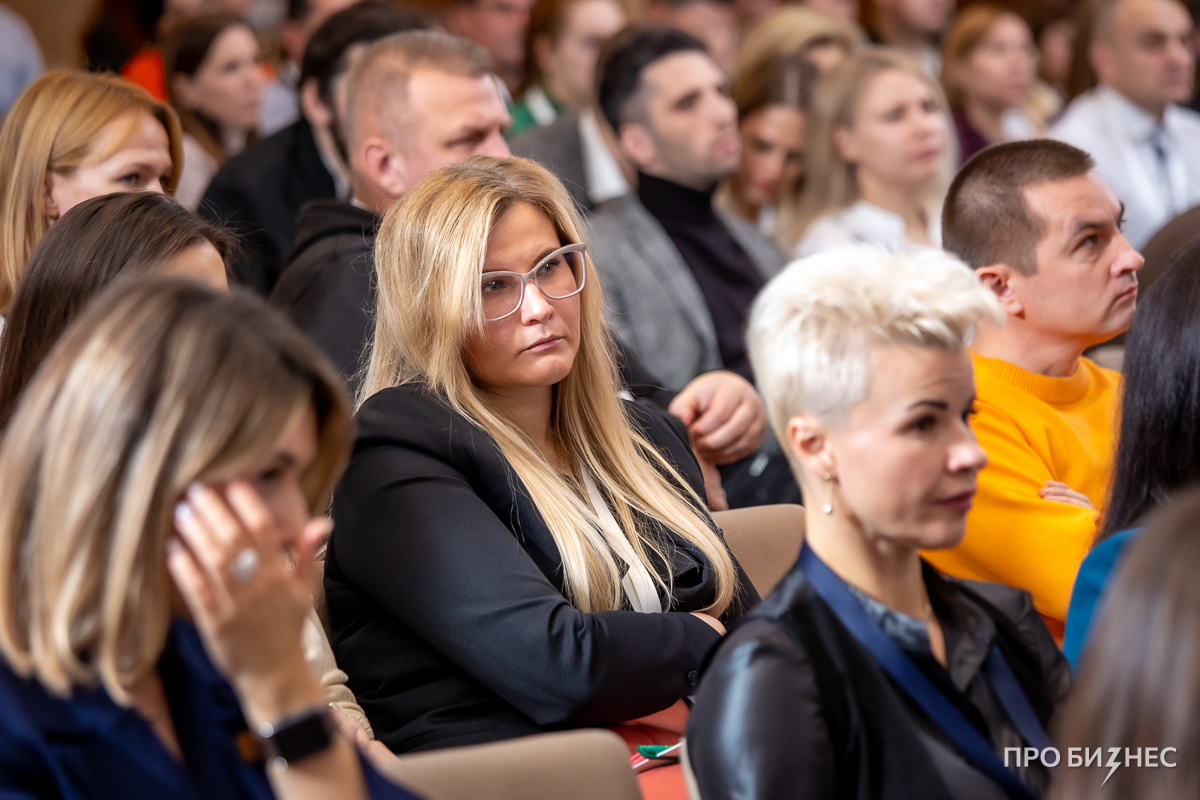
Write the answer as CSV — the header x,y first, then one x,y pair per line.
x,y
589,764
765,540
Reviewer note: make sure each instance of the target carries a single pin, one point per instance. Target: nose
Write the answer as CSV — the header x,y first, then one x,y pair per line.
x,y
966,455
1128,259
494,145
534,305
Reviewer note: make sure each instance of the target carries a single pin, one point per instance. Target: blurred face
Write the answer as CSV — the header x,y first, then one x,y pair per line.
x,y
999,72
278,476
899,133
1085,286
1056,43
568,64
452,117
845,9
1148,55
535,347
927,17
906,459
199,262
772,153
497,25
691,132
131,153
228,86
713,23
826,55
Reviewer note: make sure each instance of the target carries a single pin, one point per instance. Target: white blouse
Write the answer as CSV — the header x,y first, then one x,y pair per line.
x,y
863,223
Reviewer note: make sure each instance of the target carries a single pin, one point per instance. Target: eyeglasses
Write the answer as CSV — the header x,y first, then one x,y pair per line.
x,y
558,276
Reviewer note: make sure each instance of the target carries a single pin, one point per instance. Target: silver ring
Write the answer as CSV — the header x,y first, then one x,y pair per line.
x,y
245,565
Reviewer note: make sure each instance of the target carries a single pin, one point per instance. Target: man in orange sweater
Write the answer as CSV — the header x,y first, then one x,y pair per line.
x,y
1042,230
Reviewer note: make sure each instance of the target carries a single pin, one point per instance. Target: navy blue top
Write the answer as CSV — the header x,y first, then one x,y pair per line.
x,y
1091,585
86,747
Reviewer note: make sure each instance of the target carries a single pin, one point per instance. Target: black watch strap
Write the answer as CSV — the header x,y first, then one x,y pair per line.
x,y
297,737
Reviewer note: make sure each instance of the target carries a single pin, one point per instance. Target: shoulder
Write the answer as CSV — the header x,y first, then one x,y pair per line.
x,y
760,247
1079,119
1185,119
547,141
267,155
825,233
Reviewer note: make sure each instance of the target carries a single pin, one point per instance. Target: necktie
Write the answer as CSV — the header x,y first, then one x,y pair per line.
x,y
1158,143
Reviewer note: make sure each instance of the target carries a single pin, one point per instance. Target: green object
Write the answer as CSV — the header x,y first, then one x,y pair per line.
x,y
653,750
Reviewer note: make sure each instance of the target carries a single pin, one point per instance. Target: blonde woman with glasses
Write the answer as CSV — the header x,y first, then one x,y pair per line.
x,y
517,547
164,471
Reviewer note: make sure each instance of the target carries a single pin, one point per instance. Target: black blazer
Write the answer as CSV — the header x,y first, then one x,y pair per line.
x,y
258,194
792,707
445,594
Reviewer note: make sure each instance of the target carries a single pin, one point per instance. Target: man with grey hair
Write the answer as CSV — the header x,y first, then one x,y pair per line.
x,y
417,101
1143,141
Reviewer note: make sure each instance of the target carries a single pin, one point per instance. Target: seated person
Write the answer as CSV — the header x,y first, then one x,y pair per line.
x,y
1137,681
517,549
70,136
880,156
102,240
163,470
1158,451
1041,229
866,673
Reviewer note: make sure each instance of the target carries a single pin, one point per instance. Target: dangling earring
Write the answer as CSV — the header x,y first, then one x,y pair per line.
x,y
828,507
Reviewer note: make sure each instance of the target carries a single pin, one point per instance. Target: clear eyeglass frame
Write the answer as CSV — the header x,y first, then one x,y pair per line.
x,y
525,277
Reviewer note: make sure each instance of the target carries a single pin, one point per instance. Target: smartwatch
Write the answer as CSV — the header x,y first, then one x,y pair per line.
x,y
296,737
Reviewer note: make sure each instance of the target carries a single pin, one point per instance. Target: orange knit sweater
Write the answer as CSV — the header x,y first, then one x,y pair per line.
x,y
1036,429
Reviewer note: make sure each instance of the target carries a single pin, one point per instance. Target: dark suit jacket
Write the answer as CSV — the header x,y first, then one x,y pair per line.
x,y
559,148
446,598
328,287
794,708
89,748
258,194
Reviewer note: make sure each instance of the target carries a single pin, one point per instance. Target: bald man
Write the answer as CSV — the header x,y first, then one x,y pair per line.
x,y
1144,142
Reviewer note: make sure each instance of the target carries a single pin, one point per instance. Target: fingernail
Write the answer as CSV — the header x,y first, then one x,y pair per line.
x,y
174,548
183,512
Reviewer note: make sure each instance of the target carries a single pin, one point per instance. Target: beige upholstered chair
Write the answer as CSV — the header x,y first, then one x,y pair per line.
x,y
572,765
765,540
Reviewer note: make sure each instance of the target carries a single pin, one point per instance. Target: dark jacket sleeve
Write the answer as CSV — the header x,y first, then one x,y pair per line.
x,y
757,731
415,535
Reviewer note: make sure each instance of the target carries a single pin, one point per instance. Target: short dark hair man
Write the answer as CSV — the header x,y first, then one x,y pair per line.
x,y
260,191
680,275
1040,228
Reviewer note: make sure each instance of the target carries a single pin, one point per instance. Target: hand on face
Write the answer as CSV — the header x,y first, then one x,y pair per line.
x,y
230,563
903,462
534,348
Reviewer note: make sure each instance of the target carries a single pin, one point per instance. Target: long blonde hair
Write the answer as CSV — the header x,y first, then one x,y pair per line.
x,y
160,384
831,183
51,128
429,254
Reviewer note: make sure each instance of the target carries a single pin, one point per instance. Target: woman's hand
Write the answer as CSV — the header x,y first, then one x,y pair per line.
x,y
375,750
724,416
1059,492
231,567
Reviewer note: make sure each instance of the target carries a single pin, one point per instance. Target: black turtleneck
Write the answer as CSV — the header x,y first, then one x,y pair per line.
x,y
726,276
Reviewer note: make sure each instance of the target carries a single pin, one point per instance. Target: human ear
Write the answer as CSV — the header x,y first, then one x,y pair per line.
x,y
845,143
1005,283
315,111
384,166
637,144
808,441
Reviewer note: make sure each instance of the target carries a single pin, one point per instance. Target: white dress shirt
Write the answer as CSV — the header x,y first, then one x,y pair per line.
x,y
863,223
1121,137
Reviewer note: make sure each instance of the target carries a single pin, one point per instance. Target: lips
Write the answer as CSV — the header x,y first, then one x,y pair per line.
x,y
543,344
1129,294
959,502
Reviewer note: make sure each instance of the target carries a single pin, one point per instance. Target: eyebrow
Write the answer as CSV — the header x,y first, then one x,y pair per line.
x,y
1089,225
537,261
938,404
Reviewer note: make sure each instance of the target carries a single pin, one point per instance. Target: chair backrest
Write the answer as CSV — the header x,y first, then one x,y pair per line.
x,y
765,540
590,764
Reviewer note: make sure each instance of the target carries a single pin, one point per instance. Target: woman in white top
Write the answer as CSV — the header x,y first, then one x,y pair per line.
x,y
215,82
880,155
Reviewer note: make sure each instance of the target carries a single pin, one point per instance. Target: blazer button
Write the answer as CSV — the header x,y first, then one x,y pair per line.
x,y
693,678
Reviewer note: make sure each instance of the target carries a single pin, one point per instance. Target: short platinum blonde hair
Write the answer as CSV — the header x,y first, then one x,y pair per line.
x,y
814,326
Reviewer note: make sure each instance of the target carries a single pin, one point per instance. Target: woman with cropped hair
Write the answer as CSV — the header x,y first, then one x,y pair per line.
x,y
866,673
